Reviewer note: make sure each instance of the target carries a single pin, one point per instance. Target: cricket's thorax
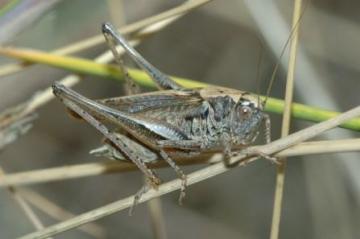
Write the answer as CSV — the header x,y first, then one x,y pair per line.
x,y
220,121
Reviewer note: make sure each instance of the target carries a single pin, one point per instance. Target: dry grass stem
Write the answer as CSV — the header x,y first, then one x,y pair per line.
x,y
77,171
30,214
197,176
14,122
322,147
28,211
100,168
166,17
58,213
157,218
285,127
22,197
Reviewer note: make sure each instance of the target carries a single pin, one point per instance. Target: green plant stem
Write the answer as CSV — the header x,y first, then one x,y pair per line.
x,y
310,113
80,65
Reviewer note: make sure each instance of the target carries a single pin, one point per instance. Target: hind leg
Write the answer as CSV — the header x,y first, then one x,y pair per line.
x,y
130,85
113,138
161,79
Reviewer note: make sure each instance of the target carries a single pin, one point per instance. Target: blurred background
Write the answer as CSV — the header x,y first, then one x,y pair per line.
x,y
218,43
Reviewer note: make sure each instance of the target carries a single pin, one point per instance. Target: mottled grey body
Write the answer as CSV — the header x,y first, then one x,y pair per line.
x,y
207,123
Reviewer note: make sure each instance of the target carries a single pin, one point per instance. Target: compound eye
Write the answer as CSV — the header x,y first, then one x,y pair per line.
x,y
245,112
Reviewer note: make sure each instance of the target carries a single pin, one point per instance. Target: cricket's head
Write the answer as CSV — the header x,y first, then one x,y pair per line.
x,y
237,117
246,119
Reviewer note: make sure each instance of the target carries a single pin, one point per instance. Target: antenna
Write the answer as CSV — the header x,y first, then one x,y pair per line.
x,y
282,53
258,73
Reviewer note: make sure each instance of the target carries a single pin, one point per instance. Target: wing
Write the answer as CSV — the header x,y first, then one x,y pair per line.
x,y
141,103
159,105
144,128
